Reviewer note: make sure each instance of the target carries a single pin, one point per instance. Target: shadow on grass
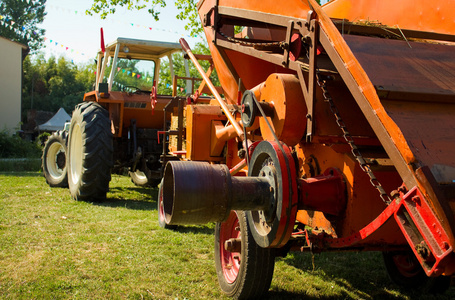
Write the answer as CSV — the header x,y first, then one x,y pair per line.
x,y
359,275
125,197
199,229
284,295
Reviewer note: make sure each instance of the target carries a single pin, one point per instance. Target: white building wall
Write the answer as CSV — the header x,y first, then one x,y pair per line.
x,y
10,84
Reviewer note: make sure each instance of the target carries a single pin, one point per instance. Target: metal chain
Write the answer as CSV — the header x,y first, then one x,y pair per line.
x,y
348,137
243,42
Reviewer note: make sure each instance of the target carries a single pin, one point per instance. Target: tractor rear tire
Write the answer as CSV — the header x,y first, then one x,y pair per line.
x,y
246,274
90,152
405,270
54,159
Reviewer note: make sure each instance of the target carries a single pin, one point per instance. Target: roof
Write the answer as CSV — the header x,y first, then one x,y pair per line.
x,y
17,43
142,49
57,122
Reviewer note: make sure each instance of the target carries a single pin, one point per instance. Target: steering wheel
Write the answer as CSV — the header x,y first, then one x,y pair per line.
x,y
137,90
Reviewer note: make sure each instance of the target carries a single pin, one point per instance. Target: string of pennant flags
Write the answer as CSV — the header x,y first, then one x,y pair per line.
x,y
149,28
22,31
127,89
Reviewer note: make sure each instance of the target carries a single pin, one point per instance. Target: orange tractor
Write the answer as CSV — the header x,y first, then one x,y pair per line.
x,y
336,132
117,125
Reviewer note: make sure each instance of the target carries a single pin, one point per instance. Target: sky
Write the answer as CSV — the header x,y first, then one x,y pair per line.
x,y
75,35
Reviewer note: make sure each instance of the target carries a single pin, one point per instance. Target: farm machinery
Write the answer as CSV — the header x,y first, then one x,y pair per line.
x,y
117,124
335,133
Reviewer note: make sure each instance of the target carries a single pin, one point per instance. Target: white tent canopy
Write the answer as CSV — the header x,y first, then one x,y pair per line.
x,y
57,122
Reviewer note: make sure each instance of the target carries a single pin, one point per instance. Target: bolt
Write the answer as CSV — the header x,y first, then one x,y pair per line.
x,y
233,245
395,194
416,199
422,250
445,245
402,189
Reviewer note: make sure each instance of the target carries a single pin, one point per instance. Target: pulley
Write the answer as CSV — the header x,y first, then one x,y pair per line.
x,y
199,193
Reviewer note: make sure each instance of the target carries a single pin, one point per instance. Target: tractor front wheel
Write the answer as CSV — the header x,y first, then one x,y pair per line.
x,y
54,160
405,270
244,269
90,152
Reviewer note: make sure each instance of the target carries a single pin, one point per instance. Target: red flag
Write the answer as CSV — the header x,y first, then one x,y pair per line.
x,y
103,47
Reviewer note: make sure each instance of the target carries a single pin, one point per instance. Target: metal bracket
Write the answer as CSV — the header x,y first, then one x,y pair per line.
x,y
289,32
309,90
424,232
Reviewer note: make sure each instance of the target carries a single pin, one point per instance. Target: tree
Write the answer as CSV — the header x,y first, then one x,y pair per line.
x,y
19,21
187,10
54,83
164,86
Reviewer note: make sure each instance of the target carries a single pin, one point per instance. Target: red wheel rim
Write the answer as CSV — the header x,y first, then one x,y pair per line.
x,y
406,265
161,207
230,261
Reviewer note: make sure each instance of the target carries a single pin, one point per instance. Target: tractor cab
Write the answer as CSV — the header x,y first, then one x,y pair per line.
x,y
132,65
126,86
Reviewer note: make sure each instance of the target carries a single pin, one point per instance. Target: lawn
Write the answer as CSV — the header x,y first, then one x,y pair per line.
x,y
53,247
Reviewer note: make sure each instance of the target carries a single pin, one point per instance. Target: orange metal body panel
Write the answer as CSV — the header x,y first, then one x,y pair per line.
x,y
413,14
198,131
383,91
364,202
123,107
394,132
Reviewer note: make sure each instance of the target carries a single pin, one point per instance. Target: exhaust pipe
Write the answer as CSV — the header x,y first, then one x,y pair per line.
x,y
199,193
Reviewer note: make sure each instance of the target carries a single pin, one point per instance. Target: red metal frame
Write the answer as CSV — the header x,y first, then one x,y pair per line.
x,y
424,232
323,241
230,261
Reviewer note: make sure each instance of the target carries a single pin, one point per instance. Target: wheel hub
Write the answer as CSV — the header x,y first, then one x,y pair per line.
x,y
272,227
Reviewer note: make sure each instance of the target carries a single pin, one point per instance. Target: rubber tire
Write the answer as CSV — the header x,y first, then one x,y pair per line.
x,y
90,152
256,265
54,159
160,209
140,178
412,276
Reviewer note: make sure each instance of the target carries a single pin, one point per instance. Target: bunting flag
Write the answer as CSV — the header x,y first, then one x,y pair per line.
x,y
149,28
130,90
22,31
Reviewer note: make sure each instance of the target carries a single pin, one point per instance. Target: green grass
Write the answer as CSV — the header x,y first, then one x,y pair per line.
x,y
52,247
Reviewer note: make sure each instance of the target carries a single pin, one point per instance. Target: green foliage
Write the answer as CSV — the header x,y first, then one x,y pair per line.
x,y
187,10
42,138
54,83
25,17
132,74
106,7
165,83
12,146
